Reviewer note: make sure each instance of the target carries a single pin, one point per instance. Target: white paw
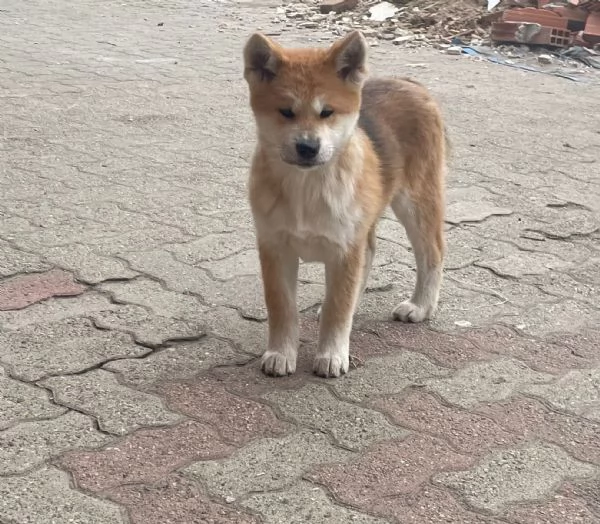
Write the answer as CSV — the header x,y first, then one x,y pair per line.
x,y
331,365
409,312
278,364
319,311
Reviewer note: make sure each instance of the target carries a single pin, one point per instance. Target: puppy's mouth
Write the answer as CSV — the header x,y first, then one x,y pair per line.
x,y
305,164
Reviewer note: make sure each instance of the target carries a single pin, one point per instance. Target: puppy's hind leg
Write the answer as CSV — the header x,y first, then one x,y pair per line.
x,y
424,224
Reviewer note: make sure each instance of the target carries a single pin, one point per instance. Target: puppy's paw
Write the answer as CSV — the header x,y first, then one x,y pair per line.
x,y
319,311
410,312
331,365
278,364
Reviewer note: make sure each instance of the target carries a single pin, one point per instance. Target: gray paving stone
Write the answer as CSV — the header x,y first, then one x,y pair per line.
x,y
515,476
89,266
576,392
22,402
152,295
70,346
181,361
517,265
354,427
45,496
29,444
215,246
387,375
301,503
118,409
267,464
13,261
248,335
489,381
240,264
146,328
55,310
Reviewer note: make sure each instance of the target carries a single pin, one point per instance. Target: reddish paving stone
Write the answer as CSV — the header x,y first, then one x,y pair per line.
x,y
23,290
383,477
467,432
580,437
539,355
583,345
560,510
175,500
432,505
250,381
145,456
236,419
586,490
444,349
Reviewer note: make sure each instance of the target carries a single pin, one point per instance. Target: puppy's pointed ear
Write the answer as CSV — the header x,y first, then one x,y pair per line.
x,y
262,58
350,58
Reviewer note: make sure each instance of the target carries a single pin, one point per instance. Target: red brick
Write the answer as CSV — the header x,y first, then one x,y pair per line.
x,y
145,456
237,420
175,500
549,356
381,480
467,432
23,290
533,421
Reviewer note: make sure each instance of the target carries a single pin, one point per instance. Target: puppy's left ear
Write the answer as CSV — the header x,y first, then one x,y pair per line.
x,y
349,57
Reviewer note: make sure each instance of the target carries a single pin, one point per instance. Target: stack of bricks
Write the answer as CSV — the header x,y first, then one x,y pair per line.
x,y
574,23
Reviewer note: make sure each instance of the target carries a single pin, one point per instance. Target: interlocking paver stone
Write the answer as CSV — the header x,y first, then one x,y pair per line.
x,y
515,476
237,419
45,496
387,472
267,464
467,432
352,426
71,346
304,503
175,500
29,444
145,456
56,310
576,392
180,361
486,381
23,290
147,329
21,402
387,375
119,409
89,266
532,420
150,294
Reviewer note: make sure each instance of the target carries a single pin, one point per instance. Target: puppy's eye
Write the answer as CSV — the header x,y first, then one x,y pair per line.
x,y
326,113
287,113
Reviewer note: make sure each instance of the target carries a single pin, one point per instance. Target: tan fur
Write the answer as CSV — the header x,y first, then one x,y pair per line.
x,y
383,145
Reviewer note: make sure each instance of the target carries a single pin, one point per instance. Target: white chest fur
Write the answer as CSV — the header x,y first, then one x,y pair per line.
x,y
317,215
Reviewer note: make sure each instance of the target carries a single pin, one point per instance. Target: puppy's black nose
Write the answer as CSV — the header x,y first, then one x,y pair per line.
x,y
308,149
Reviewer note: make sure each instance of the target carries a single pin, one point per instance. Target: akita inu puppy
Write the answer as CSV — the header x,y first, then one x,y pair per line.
x,y
334,149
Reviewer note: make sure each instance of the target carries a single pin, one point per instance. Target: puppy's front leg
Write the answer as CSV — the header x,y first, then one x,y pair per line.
x,y
279,267
344,280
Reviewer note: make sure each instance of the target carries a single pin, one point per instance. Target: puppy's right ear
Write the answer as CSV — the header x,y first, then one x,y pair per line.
x,y
262,58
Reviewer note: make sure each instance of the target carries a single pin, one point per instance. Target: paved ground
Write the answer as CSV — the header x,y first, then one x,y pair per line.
x,y
131,312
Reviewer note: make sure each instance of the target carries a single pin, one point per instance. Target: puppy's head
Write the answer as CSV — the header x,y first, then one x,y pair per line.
x,y
305,101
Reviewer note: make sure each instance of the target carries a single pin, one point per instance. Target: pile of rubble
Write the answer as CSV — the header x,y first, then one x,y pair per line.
x,y
415,23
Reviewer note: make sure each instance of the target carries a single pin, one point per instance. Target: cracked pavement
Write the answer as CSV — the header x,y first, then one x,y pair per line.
x,y
131,310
